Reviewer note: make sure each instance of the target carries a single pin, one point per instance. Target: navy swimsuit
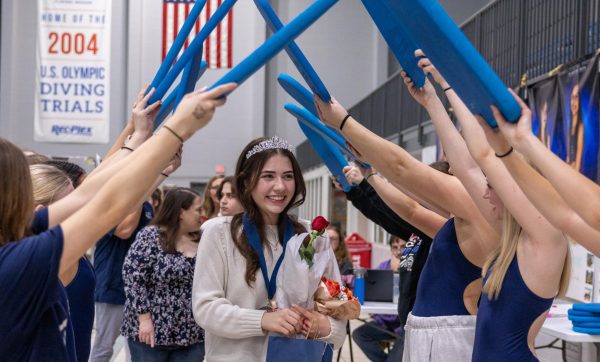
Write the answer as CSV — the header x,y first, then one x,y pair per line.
x,y
503,324
446,275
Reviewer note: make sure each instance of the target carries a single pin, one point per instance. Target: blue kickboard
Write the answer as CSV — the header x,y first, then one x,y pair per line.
x,y
298,92
397,39
167,81
592,331
583,313
579,319
275,43
169,103
293,50
428,24
587,324
587,307
189,76
316,125
306,100
180,39
331,156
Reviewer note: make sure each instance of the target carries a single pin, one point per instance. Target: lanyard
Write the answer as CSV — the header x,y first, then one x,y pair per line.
x,y
256,244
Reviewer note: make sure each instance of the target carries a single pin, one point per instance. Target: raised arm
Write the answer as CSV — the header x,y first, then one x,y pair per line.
x,y
365,198
572,186
127,227
513,198
539,190
143,118
396,164
406,208
463,165
136,174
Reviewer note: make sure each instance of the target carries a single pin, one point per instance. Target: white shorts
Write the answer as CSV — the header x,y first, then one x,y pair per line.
x,y
443,339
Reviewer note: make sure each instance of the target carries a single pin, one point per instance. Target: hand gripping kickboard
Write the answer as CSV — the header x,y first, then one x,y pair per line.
x,y
316,125
456,58
331,156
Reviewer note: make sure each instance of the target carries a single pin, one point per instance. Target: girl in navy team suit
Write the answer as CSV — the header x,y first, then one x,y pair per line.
x,y
34,315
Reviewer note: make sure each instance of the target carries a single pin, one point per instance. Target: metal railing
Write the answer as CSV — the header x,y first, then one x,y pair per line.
x,y
520,39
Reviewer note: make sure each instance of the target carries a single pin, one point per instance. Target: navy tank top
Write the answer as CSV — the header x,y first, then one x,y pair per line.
x,y
445,276
503,324
81,304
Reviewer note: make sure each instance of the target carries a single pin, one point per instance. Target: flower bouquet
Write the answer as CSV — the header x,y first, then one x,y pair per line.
x,y
308,257
336,301
309,276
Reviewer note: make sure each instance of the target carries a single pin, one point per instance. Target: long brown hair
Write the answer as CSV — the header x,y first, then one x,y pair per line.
x,y
16,196
167,217
341,253
247,174
209,207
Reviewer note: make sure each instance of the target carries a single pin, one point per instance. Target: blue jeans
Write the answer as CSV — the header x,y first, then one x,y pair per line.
x,y
141,352
368,338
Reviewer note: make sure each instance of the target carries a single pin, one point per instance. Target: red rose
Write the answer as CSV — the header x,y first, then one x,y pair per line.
x,y
319,224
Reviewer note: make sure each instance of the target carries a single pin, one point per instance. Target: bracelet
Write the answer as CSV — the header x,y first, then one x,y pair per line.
x,y
173,132
447,89
371,174
164,174
127,148
505,154
344,121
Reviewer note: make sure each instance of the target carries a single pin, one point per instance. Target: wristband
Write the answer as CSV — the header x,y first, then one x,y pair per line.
x,y
127,148
164,174
447,89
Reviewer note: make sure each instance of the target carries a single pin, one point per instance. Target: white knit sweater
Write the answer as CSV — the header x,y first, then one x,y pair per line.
x,y
225,306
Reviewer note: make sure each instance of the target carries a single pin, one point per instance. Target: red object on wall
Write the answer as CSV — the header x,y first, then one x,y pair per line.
x,y
360,251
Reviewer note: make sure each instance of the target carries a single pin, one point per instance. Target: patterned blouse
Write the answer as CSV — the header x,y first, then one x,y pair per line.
x,y
161,284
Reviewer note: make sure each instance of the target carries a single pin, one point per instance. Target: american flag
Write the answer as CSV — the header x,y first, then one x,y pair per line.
x,y
217,47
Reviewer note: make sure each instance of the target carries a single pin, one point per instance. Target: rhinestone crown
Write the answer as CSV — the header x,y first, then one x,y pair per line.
x,y
270,144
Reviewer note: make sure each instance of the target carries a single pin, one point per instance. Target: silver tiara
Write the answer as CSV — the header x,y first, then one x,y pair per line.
x,y
270,144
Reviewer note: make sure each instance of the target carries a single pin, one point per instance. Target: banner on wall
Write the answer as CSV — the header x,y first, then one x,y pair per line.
x,y
72,71
566,115
547,122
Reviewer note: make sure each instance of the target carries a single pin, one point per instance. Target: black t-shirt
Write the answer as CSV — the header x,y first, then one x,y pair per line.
x,y
412,262
367,201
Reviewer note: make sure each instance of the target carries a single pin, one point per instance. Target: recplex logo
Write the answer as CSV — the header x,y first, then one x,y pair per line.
x,y
73,130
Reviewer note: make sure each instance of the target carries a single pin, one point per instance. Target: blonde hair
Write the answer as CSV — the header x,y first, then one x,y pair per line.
x,y
47,182
499,260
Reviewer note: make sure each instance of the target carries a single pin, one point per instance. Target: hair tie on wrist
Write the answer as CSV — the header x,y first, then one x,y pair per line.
x,y
344,121
173,132
127,148
371,174
447,89
505,154
164,174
